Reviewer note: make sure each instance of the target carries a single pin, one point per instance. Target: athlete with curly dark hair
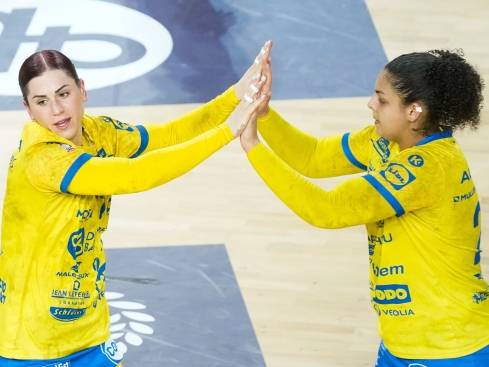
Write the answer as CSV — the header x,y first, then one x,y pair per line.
x,y
416,197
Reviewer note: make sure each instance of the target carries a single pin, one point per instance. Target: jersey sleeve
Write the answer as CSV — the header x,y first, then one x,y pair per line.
x,y
316,157
193,123
115,175
129,141
79,173
359,200
51,166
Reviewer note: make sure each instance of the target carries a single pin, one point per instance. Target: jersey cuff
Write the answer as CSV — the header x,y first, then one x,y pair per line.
x,y
396,205
71,172
144,140
349,154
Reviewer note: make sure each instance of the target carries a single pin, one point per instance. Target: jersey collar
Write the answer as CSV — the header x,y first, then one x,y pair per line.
x,y
436,136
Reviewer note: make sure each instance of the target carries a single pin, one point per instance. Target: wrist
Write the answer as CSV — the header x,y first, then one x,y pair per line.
x,y
249,144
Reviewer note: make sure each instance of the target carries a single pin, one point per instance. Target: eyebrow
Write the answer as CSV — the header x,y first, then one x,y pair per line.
x,y
56,91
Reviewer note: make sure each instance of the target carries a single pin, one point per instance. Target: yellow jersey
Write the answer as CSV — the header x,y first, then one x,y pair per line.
x,y
422,213
56,208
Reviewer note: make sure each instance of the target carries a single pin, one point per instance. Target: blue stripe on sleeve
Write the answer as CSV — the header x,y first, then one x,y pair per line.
x,y
71,172
349,154
396,205
476,214
144,140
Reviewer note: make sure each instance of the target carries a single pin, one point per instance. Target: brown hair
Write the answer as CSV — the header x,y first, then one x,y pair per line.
x,y
36,64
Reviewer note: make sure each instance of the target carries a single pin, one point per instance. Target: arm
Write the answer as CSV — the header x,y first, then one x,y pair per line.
x,y
313,157
108,176
59,167
193,123
359,200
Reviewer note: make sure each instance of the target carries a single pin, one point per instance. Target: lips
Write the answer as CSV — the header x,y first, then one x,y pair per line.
x,y
63,124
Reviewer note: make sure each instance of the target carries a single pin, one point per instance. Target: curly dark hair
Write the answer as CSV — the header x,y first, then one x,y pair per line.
x,y
443,81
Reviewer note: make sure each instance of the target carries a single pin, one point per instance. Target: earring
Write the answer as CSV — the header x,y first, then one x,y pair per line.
x,y
418,108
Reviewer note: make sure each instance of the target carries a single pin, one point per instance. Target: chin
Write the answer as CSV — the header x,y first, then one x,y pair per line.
x,y
68,135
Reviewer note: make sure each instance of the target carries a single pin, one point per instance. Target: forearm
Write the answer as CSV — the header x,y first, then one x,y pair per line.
x,y
193,123
351,203
310,156
109,176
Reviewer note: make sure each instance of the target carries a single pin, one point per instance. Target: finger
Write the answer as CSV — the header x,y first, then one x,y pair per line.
x,y
248,99
264,53
252,107
254,88
256,76
266,49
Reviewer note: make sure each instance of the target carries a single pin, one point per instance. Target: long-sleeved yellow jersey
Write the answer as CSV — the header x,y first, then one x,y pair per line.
x,y
422,213
56,208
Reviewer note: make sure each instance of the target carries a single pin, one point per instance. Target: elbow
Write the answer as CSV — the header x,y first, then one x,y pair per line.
x,y
326,223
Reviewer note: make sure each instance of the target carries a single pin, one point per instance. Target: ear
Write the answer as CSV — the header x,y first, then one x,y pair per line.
x,y
28,109
83,90
414,111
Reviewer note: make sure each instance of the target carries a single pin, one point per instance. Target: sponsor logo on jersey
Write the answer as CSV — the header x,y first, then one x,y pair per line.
x,y
67,147
101,153
65,314
387,271
59,364
465,176
379,240
63,274
3,291
79,243
416,160
463,197
99,280
391,294
84,214
397,175
112,351
118,124
71,294
381,146
479,297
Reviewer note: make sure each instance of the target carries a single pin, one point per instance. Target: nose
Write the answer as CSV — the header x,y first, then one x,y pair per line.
x,y
56,107
371,103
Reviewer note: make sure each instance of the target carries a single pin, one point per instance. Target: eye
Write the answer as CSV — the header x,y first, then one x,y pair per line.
x,y
41,102
64,94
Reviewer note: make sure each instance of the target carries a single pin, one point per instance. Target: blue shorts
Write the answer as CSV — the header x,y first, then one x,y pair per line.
x,y
477,359
103,355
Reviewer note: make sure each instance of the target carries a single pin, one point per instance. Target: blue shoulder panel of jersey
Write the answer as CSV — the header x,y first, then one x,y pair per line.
x,y
144,140
71,172
396,205
349,154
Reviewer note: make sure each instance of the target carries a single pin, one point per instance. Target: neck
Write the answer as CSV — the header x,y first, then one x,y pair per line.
x,y
77,139
410,140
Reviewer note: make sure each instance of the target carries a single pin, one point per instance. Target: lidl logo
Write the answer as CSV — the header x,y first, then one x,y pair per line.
x,y
397,175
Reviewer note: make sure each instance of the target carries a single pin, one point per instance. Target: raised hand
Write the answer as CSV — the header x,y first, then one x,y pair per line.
x,y
254,73
249,136
243,114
